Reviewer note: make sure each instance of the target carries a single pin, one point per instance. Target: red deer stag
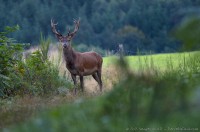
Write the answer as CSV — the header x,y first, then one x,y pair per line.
x,y
79,64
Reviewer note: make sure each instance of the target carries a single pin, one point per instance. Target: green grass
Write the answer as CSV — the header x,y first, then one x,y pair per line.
x,y
137,101
158,61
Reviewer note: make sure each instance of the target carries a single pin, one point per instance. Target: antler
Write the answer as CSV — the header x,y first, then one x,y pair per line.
x,y
77,23
68,34
53,26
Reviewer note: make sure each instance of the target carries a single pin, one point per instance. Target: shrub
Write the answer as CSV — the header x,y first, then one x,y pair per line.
x,y
139,102
33,75
42,75
10,58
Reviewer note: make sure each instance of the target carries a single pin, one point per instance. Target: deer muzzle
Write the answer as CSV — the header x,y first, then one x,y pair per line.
x,y
65,45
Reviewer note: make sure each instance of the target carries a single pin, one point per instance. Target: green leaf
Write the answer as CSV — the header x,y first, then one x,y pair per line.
x,y
188,33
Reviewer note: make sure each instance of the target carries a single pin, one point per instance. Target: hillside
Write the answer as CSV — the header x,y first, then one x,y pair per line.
x,y
139,24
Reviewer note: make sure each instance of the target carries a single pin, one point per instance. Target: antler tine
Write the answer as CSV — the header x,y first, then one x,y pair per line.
x,y
77,23
53,26
69,31
52,22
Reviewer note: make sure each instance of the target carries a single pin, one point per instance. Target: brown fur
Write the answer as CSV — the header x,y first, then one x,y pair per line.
x,y
83,64
79,64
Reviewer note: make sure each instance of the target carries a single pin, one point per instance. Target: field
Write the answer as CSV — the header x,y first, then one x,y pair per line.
x,y
154,87
158,61
136,96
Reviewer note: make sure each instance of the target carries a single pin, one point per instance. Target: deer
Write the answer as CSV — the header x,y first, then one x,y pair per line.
x,y
77,63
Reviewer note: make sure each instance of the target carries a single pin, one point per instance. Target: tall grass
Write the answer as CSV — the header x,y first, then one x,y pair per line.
x,y
41,73
36,76
161,62
140,101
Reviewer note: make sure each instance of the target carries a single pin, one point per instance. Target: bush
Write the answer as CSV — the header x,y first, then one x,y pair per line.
x,y
34,74
10,58
143,101
41,75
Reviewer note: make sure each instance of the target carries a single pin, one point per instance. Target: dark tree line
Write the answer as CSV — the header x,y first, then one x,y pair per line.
x,y
138,24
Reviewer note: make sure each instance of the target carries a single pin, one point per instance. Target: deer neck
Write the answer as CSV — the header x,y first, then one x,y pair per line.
x,y
69,55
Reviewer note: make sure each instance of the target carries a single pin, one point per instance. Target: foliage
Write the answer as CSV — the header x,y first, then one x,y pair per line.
x,y
32,74
140,101
187,33
40,74
101,21
147,100
10,58
44,47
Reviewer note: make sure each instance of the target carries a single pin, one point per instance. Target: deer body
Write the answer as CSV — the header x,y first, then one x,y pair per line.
x,y
79,64
82,64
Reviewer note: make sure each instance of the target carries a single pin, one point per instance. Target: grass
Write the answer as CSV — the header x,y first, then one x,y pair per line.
x,y
136,101
17,109
159,61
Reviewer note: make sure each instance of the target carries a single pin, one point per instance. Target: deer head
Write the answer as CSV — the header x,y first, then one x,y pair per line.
x,y
65,39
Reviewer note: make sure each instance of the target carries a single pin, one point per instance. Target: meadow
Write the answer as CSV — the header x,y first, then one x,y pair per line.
x,y
142,92
159,61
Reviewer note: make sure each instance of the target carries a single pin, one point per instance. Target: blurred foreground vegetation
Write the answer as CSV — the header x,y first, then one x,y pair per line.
x,y
147,99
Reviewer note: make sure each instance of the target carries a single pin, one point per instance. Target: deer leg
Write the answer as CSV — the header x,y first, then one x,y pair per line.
x,y
95,77
100,81
82,83
75,83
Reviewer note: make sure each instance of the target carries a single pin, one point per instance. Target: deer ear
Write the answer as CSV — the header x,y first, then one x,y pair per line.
x,y
59,37
69,37
72,35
